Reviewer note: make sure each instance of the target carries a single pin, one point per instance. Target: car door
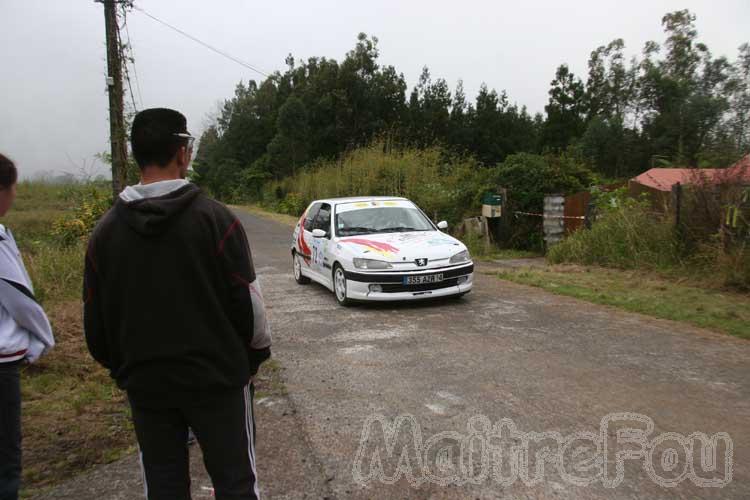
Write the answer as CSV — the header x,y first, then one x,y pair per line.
x,y
305,239
321,246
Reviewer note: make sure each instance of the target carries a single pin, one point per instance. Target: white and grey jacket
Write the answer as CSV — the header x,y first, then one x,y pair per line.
x,y
25,332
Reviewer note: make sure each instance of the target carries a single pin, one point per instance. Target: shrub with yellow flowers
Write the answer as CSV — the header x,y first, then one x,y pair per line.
x,y
77,226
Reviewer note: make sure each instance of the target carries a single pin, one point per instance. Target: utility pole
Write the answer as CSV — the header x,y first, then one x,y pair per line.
x,y
114,89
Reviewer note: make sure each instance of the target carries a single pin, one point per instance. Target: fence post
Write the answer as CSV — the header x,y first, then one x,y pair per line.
x,y
487,241
590,215
553,223
499,226
677,202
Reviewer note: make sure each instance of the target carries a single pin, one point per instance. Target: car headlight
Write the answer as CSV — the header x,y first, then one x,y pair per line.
x,y
371,264
461,257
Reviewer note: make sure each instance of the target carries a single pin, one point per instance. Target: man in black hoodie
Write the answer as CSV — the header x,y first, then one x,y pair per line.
x,y
174,312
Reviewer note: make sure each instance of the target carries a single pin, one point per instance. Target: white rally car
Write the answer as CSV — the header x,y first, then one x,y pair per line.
x,y
378,248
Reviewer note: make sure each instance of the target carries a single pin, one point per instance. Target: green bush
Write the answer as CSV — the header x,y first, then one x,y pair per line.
x,y
93,203
528,179
292,204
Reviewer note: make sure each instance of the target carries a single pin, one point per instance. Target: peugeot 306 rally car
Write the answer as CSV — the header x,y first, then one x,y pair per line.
x,y
378,249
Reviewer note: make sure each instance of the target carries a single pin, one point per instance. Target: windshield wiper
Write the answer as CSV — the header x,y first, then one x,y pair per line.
x,y
356,230
399,229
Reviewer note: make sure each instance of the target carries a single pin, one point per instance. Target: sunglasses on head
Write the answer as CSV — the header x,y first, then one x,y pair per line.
x,y
189,138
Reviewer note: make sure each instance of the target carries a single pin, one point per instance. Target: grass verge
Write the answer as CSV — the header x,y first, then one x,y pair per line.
x,y
634,291
73,416
508,254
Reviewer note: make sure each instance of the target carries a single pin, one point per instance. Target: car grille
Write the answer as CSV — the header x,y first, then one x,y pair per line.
x,y
424,287
397,278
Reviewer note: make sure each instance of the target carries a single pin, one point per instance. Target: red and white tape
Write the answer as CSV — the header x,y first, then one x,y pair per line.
x,y
578,217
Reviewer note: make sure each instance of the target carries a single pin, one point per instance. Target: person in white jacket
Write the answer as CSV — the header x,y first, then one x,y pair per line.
x,y
25,334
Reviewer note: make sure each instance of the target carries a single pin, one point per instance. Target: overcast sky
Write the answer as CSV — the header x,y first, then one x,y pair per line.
x,y
52,55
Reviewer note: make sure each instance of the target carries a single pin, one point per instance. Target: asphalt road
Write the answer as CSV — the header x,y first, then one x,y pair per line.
x,y
477,378
546,363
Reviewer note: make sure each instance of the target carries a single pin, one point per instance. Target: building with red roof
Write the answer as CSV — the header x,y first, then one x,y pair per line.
x,y
658,182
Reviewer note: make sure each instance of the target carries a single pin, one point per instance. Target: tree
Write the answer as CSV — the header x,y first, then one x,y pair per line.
x,y
207,144
611,85
429,111
683,93
529,178
289,148
485,125
676,102
739,98
355,116
566,110
459,126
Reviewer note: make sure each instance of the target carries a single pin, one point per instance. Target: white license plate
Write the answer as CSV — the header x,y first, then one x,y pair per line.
x,y
421,280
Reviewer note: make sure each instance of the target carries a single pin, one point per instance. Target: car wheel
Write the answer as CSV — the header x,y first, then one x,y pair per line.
x,y
298,276
339,286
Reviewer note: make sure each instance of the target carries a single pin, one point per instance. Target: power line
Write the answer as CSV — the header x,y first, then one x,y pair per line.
x,y
125,67
132,56
214,49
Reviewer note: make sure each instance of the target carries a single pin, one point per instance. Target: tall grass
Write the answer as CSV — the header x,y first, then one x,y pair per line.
x,y
56,270
54,259
446,188
734,267
628,236
631,236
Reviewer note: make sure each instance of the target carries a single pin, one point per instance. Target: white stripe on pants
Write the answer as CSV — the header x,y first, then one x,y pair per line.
x,y
143,472
249,428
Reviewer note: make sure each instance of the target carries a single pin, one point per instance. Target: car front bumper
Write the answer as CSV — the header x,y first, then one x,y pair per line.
x,y
457,281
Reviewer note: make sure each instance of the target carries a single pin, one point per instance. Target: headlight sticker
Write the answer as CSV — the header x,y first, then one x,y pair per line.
x,y
384,249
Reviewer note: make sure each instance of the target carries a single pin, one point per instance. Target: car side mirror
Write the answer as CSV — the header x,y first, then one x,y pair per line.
x,y
318,233
442,225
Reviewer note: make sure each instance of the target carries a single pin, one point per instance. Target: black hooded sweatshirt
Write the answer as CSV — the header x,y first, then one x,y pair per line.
x,y
167,304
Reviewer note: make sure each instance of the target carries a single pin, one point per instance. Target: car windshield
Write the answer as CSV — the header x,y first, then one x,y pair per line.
x,y
381,219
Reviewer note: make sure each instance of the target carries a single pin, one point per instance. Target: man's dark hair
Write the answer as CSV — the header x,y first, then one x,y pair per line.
x,y
8,172
153,138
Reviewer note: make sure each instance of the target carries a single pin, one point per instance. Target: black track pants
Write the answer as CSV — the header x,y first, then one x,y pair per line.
x,y
225,431
10,430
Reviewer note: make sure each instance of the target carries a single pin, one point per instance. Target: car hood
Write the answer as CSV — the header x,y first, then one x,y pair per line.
x,y
399,247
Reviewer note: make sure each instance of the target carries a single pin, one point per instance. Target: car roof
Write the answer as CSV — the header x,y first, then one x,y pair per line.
x,y
354,199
